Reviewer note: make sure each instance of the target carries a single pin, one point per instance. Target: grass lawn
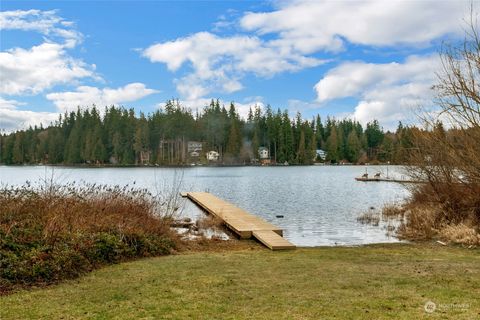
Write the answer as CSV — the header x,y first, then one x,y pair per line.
x,y
371,282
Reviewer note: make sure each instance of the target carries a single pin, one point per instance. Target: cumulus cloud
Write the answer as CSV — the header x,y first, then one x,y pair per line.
x,y
85,96
388,92
309,26
353,78
9,104
43,66
296,105
219,63
48,23
11,118
290,38
31,71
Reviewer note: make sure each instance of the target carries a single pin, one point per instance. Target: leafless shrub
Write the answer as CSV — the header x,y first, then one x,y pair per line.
x,y
168,196
58,232
393,211
461,234
448,160
419,224
210,222
66,209
370,217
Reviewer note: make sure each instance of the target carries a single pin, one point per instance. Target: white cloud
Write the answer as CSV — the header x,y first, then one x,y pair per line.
x,y
48,23
353,78
41,67
286,39
86,96
219,63
296,105
309,26
11,118
393,104
9,104
30,71
387,92
33,70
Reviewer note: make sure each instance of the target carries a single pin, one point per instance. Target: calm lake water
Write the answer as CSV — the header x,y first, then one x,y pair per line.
x,y
320,204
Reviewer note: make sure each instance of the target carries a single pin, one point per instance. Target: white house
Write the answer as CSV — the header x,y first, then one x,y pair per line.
x,y
321,154
212,155
263,153
194,146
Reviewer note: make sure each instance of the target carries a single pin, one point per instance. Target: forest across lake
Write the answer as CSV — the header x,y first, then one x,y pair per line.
x,y
217,134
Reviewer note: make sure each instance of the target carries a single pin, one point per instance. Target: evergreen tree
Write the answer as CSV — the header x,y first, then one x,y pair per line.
x,y
312,149
353,147
234,143
374,134
122,137
288,135
301,154
319,132
255,145
19,148
142,138
55,146
74,148
332,145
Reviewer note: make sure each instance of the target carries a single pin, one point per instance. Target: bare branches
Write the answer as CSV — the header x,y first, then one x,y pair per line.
x,y
458,89
449,160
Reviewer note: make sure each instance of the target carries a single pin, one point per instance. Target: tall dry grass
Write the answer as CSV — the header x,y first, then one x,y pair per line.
x,y
57,232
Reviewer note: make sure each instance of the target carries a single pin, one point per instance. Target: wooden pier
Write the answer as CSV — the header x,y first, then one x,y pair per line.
x,y
244,224
387,180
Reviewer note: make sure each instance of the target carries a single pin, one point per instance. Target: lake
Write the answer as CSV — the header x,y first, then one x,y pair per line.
x,y
319,204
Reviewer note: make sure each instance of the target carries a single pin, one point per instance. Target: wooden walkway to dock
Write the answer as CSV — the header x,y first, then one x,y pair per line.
x,y
244,224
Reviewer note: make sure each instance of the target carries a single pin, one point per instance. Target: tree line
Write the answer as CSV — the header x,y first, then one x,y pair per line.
x,y
120,136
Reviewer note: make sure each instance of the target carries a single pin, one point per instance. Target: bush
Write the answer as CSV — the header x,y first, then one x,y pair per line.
x,y
56,233
447,204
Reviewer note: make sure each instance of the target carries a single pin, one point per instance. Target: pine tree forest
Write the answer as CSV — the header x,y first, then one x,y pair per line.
x,y
119,136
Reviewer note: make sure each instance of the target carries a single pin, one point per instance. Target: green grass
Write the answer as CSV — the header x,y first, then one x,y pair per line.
x,y
371,282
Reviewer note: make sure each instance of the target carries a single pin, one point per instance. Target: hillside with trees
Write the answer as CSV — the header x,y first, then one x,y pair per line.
x,y
120,136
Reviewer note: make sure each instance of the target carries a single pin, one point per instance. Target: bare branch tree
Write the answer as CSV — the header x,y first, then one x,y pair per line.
x,y
449,158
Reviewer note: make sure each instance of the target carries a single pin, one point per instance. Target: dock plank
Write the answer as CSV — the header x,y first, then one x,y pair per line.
x,y
243,223
272,240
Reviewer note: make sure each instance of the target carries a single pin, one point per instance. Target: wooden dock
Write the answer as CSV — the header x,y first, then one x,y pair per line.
x,y
244,224
387,180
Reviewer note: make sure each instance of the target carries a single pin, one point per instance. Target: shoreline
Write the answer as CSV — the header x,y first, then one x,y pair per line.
x,y
100,166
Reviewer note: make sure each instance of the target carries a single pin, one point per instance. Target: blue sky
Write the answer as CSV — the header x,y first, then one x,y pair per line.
x,y
365,60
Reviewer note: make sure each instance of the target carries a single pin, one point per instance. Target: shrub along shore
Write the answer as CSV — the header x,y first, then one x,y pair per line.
x,y
60,232
52,233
